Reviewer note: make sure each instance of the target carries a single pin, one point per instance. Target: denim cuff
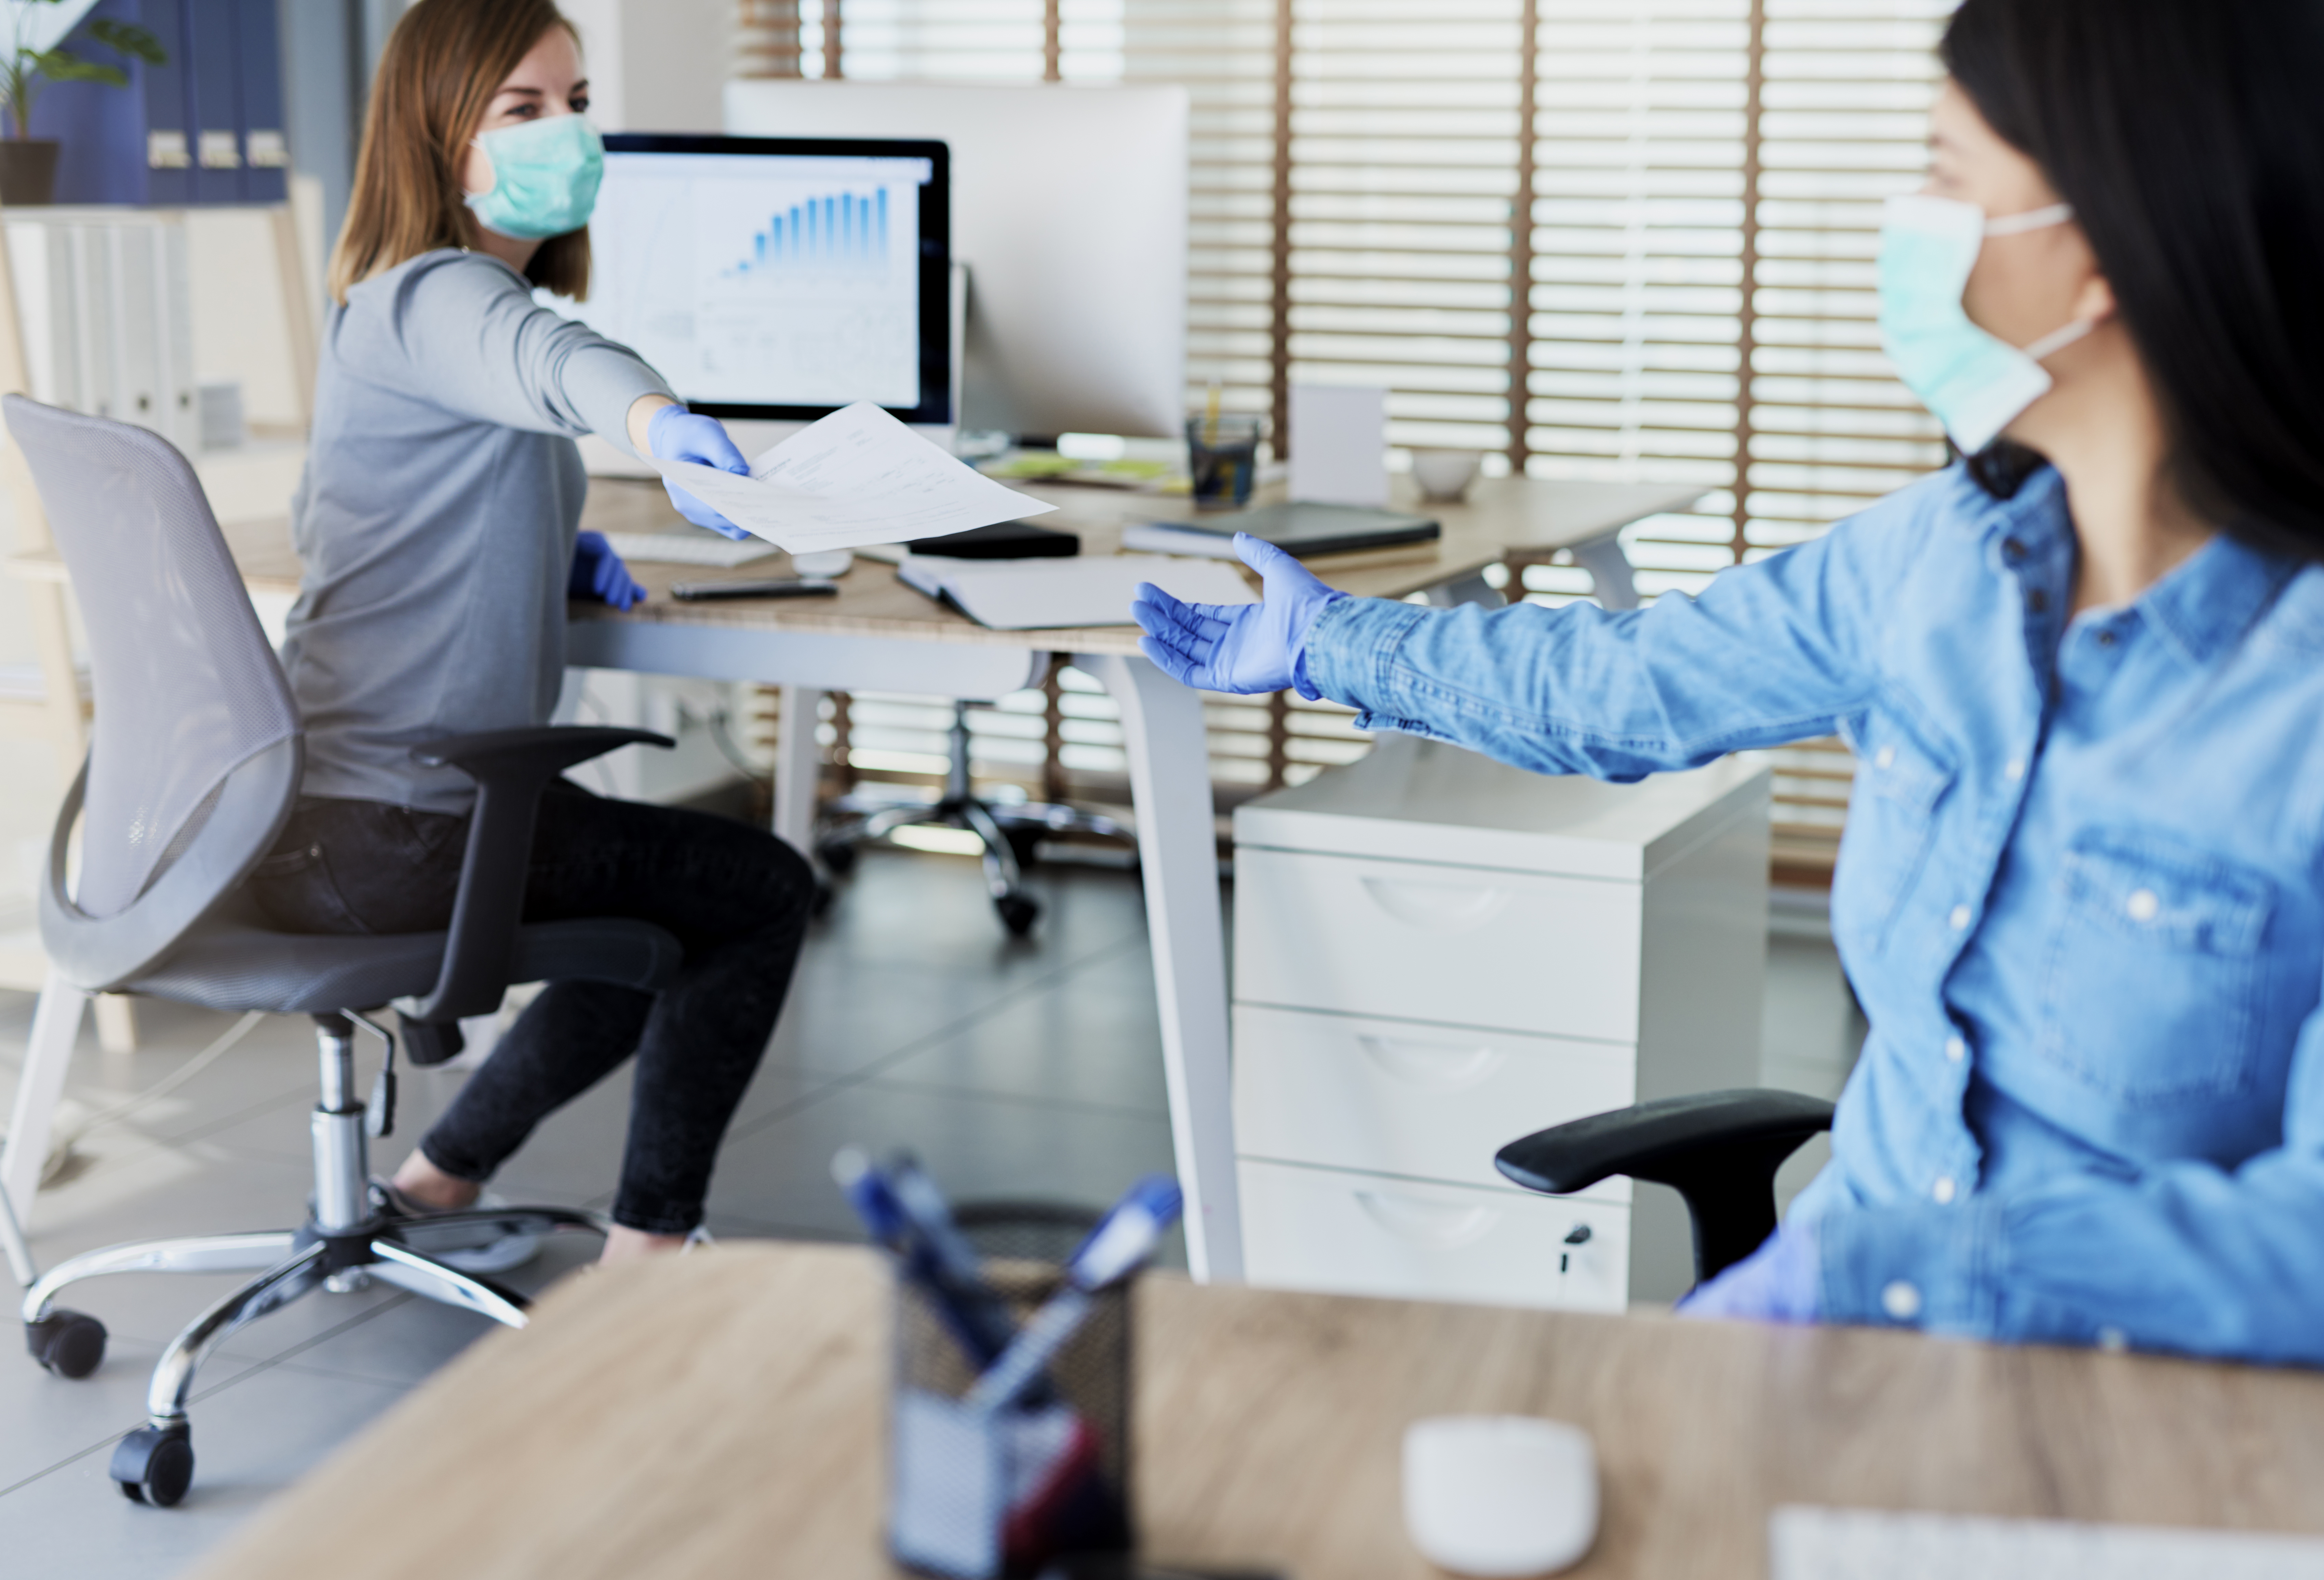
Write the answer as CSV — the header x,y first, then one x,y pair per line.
x,y
1934,1268
1351,650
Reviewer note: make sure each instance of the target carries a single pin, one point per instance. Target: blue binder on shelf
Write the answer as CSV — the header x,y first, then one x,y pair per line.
x,y
213,57
206,127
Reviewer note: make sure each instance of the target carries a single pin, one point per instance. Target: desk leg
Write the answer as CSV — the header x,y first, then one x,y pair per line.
x,y
56,1027
1610,571
1177,846
796,768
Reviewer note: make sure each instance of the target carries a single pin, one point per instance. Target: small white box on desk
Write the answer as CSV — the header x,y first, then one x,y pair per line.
x,y
1436,954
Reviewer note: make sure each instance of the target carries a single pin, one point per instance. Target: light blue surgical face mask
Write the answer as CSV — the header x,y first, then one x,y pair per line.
x,y
1975,383
545,176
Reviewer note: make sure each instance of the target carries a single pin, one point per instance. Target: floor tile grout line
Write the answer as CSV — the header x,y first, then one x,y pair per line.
x,y
1074,1105
855,1079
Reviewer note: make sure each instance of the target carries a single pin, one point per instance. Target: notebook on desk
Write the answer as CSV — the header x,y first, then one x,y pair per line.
x,y
1306,531
1038,595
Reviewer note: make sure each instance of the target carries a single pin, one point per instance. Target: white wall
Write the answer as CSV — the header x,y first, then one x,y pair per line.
x,y
655,65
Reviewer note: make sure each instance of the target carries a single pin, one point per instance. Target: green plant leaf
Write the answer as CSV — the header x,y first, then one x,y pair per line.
x,y
128,38
63,66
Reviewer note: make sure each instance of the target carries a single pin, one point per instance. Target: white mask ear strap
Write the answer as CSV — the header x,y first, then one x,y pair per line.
x,y
2060,338
2032,219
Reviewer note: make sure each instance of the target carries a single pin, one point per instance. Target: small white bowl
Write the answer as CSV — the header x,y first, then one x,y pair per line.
x,y
1444,476
823,562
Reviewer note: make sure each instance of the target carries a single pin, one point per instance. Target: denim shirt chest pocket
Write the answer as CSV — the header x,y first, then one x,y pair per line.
x,y
2151,988
1891,821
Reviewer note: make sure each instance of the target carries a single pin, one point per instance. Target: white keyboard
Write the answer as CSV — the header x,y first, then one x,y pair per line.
x,y
1866,1544
695,546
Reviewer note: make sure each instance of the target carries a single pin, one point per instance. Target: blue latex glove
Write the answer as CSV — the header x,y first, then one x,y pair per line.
x,y
1782,1281
598,573
676,434
1241,648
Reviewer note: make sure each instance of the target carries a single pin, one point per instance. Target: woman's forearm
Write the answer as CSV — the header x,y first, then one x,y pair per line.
x,y
641,413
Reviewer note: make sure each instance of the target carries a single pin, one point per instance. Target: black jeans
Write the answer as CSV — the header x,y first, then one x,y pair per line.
x,y
736,898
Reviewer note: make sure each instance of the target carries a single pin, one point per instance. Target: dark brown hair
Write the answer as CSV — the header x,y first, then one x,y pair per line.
x,y
2187,136
442,65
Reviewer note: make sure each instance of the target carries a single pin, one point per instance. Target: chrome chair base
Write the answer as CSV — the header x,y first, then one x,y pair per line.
x,y
1007,833
353,1235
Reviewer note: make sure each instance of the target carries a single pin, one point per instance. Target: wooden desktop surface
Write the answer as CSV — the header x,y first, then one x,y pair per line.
x,y
1501,516
721,1414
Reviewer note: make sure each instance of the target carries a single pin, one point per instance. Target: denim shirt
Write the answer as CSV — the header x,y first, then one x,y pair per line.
x,y
2078,894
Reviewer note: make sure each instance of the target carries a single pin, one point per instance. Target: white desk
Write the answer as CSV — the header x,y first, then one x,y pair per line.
x,y
880,634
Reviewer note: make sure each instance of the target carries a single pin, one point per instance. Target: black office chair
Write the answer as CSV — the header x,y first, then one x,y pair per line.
x,y
1719,1149
192,772
1009,834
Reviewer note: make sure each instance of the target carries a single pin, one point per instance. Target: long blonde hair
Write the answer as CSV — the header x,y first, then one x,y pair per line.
x,y
437,78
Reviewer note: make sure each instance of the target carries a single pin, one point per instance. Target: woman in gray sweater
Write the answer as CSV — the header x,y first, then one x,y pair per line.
x,y
439,528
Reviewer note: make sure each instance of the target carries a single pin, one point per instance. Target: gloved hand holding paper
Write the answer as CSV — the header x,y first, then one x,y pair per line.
x,y
856,476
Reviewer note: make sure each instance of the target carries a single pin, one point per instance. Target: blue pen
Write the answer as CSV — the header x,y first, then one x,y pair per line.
x,y
1115,1249
977,1318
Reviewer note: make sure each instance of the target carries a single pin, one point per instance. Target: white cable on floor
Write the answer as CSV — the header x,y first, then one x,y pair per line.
x,y
61,1149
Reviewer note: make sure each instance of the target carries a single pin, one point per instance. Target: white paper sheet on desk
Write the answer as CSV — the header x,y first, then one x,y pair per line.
x,y
856,477
1080,590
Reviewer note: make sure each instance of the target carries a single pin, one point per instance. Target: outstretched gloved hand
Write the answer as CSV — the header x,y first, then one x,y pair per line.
x,y
676,434
1236,647
598,573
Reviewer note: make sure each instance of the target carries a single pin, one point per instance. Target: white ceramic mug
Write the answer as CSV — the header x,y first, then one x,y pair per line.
x,y
1444,476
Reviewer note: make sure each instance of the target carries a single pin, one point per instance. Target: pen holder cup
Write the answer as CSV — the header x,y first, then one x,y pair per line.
x,y
1222,459
980,1496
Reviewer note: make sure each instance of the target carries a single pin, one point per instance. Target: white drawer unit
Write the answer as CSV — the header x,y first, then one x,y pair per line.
x,y
1365,937
1434,955
1367,1234
1396,1097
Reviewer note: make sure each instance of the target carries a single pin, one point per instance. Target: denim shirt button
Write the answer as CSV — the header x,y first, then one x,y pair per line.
x,y
1959,918
1901,1301
2142,906
2014,770
1884,758
1943,1189
1956,1051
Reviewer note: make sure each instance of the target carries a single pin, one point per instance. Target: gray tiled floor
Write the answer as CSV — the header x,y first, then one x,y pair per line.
x,y
1012,1068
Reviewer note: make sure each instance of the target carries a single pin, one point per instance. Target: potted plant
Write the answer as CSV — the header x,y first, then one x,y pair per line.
x,y
27,165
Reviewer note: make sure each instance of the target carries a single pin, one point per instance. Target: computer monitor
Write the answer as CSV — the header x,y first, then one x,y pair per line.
x,y
1069,209
775,279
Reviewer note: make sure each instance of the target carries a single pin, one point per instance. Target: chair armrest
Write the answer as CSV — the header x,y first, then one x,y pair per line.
x,y
1719,1149
511,768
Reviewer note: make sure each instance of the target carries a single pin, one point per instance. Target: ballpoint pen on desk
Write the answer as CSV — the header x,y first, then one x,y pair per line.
x,y
1118,1247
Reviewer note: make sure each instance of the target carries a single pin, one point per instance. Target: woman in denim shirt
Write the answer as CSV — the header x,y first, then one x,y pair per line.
x,y
2083,675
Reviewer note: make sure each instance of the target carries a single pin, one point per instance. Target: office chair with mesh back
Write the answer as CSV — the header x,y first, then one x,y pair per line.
x,y
192,771
1719,1149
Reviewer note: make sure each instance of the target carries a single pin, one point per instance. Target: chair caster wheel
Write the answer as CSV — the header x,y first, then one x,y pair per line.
x,y
155,1465
1018,912
837,856
71,1343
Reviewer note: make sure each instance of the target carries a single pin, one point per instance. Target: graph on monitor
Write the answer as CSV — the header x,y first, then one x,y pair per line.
x,y
765,279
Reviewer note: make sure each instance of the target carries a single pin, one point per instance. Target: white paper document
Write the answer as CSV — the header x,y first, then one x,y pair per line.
x,y
1038,595
856,476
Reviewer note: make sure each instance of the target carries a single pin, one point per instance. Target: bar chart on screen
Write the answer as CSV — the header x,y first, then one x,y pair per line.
x,y
844,232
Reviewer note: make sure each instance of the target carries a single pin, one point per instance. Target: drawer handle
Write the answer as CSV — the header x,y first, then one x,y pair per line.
x,y
1434,1066
1438,1224
1439,908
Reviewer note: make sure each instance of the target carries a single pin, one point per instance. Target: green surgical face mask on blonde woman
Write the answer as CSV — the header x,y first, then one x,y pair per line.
x,y
545,177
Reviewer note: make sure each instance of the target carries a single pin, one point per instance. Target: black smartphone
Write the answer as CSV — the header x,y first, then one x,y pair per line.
x,y
772,586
